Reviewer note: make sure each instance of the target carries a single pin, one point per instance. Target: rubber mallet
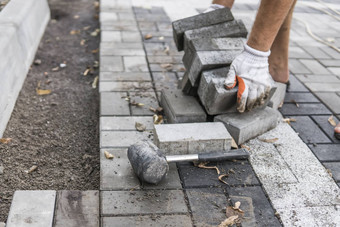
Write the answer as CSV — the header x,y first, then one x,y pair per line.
x,y
151,165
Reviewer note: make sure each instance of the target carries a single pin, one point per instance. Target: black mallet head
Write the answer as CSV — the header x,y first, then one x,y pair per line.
x,y
148,162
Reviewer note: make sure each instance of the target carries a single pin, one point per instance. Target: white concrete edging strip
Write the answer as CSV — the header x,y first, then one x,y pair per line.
x,y
22,24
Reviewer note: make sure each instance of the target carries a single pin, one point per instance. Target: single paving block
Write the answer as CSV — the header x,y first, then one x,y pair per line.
x,y
135,64
149,220
143,202
261,208
326,152
113,104
245,126
77,208
211,44
111,64
207,206
230,29
240,173
331,100
30,207
199,21
205,60
191,138
295,85
181,108
304,109
278,97
117,173
334,168
323,123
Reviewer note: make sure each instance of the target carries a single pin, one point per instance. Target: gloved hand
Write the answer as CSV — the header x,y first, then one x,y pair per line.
x,y
212,7
250,70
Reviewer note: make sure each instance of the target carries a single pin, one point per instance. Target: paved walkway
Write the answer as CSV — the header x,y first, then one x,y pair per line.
x,y
291,181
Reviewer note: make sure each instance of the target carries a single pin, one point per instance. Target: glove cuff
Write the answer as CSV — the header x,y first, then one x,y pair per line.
x,y
256,52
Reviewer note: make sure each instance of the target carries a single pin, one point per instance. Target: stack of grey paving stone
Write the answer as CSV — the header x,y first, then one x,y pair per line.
x,y
211,41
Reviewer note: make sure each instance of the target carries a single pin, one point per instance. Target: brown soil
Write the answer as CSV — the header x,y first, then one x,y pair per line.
x,y
57,132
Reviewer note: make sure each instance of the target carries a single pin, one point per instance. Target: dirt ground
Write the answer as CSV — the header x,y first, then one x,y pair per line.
x,y
57,132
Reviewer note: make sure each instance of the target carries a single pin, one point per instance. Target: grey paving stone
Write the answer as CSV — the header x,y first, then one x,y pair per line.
x,y
147,26
107,17
298,52
326,152
165,80
149,99
304,109
181,108
295,66
278,97
318,78
314,66
248,125
199,21
192,138
295,85
324,87
125,76
117,173
143,202
32,207
323,123
165,59
240,173
121,139
77,208
308,130
126,16
131,37
334,70
334,167
293,97
207,206
261,207
111,64
333,53
211,44
316,52
109,86
233,28
113,104
119,26
110,36
153,220
135,64
125,123
205,60
331,100
330,62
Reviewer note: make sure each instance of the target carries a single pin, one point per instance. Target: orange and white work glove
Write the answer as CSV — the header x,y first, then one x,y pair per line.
x,y
250,70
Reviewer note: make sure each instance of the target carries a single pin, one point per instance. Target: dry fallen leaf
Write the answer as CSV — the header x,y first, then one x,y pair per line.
x,y
167,66
95,51
95,64
74,32
288,120
237,207
161,38
220,178
138,104
86,71
229,221
147,36
96,4
43,92
55,69
233,143
293,101
76,16
269,140
33,168
245,147
332,121
157,119
108,155
86,28
82,42
5,140
140,127
37,62
166,50
95,32
95,82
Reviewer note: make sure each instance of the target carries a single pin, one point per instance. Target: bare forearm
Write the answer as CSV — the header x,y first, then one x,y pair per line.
x,y
269,18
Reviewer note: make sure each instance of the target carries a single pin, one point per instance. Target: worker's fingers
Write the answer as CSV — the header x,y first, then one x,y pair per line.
x,y
252,97
261,94
230,81
242,95
266,93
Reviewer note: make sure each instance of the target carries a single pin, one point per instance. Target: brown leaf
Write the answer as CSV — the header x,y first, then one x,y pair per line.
x,y
245,147
233,143
76,16
288,120
33,168
37,62
167,66
147,36
108,155
157,119
138,104
43,92
237,207
297,104
95,32
273,140
74,32
95,82
203,166
86,28
140,127
5,140
95,51
86,71
332,121
229,221
220,178
55,69
96,4
82,42
166,50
